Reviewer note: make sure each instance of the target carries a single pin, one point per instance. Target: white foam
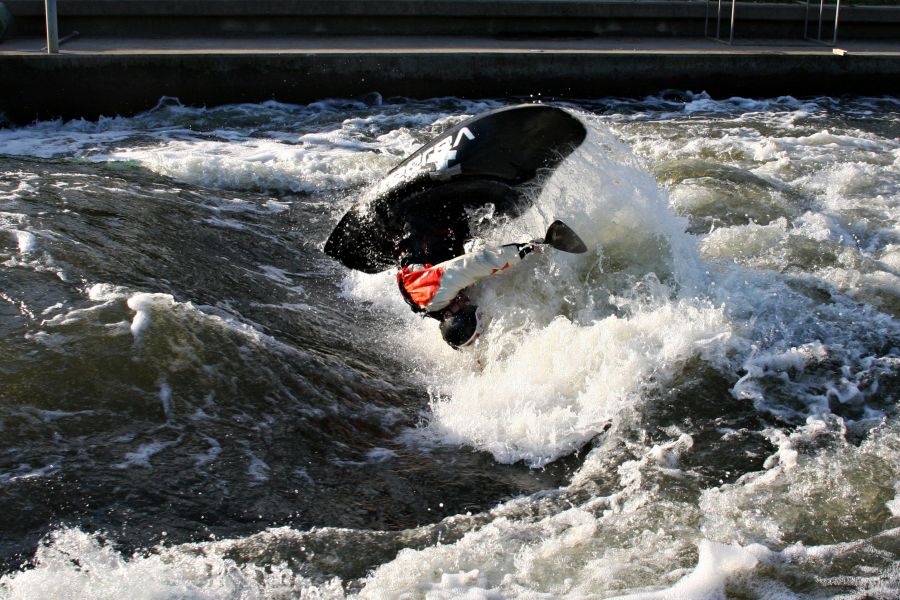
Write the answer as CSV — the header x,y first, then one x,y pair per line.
x,y
501,560
632,544
27,242
257,469
543,384
143,305
707,581
165,397
321,162
572,554
104,295
808,496
226,223
894,505
518,394
142,455
297,148
26,471
106,292
24,187
559,386
211,454
379,455
101,573
276,274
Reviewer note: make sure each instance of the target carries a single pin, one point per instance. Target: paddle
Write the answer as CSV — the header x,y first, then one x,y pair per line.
x,y
560,236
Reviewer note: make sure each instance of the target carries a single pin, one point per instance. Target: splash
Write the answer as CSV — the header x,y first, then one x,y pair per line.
x,y
576,342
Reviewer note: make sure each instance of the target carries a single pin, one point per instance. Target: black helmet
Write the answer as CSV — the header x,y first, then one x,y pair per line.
x,y
462,327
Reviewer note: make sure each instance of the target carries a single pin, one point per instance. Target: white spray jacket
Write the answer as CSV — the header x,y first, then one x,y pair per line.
x,y
432,288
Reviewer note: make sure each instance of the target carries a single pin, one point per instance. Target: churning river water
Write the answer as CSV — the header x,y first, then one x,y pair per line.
x,y
196,402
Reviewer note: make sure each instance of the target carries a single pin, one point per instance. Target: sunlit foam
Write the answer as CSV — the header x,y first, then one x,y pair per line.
x,y
573,340
75,564
813,498
560,384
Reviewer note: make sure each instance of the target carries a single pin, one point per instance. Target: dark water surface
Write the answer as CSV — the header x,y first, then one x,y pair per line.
x,y
253,400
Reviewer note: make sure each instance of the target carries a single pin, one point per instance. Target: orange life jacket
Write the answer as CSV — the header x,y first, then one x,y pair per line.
x,y
420,285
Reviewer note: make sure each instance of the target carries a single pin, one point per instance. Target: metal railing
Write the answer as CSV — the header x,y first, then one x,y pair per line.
x,y
818,37
718,35
52,26
52,19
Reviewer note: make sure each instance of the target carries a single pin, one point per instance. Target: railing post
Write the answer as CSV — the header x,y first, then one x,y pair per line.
x,y
819,28
837,16
718,35
733,15
52,27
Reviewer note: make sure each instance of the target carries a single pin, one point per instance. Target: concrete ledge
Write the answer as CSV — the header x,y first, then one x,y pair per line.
x,y
142,18
130,53
90,85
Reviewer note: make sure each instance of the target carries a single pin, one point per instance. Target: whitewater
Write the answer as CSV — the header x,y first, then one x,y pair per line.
x,y
198,403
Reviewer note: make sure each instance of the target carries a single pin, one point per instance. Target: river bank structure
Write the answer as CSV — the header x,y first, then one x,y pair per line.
x,y
121,57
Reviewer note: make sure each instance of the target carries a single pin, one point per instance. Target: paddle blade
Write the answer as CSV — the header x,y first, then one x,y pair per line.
x,y
560,236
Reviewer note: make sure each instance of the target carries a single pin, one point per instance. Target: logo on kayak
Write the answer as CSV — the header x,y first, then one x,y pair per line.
x,y
435,162
444,151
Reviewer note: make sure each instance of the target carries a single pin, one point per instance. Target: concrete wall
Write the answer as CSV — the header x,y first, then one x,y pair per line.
x,y
143,18
72,86
92,83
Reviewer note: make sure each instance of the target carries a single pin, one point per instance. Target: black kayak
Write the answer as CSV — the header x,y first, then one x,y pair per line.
x,y
422,207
